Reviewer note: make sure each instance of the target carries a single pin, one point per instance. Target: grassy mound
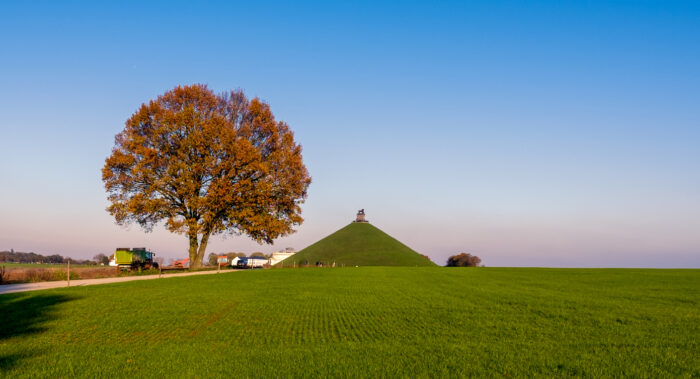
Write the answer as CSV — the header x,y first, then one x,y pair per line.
x,y
359,244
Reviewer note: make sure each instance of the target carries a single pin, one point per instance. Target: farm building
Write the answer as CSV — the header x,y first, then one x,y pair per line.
x,y
234,261
279,256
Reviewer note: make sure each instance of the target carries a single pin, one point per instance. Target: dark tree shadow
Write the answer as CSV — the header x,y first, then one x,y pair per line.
x,y
25,314
8,361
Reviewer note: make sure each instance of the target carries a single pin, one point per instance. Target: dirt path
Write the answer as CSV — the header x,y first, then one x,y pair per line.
x,y
22,287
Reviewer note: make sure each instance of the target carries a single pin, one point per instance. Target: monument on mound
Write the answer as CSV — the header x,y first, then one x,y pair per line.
x,y
360,216
357,244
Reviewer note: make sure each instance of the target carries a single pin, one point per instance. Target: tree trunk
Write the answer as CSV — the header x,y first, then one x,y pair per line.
x,y
198,249
203,247
194,262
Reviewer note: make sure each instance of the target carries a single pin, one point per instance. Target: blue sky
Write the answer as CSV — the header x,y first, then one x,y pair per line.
x,y
525,132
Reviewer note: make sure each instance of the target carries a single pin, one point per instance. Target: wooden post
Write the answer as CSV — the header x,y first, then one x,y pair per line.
x,y
68,276
218,267
160,271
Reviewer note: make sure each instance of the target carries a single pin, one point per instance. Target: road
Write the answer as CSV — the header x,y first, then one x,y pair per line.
x,y
23,287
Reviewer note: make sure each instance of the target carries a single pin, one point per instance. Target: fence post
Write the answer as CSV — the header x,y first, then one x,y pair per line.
x,y
218,267
68,276
160,271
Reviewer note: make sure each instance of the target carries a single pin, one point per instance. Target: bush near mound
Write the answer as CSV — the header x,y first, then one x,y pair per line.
x,y
463,260
358,244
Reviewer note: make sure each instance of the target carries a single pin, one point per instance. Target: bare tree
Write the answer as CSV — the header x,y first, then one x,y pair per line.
x,y
101,259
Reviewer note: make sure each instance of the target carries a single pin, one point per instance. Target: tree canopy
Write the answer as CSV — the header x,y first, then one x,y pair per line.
x,y
463,260
207,164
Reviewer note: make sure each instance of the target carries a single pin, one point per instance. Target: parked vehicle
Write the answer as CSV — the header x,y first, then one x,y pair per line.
x,y
136,258
183,263
252,262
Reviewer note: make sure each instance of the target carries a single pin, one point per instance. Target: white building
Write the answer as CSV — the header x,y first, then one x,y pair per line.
x,y
279,256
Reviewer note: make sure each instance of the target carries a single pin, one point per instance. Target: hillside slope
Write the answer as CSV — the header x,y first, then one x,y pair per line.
x,y
359,244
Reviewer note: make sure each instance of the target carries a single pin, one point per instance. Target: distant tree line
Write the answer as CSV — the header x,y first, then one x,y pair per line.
x,y
102,259
13,256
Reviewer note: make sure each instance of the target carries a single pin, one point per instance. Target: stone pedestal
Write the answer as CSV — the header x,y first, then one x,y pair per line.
x,y
360,216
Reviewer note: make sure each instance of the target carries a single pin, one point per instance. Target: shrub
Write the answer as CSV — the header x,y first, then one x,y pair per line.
x,y
40,275
463,260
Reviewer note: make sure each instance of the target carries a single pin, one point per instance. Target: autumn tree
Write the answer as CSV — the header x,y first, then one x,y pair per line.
x,y
463,260
207,164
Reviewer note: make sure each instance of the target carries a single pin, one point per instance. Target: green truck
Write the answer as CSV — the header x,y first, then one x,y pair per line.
x,y
136,258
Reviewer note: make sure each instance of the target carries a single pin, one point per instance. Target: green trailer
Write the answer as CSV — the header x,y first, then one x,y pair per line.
x,y
136,258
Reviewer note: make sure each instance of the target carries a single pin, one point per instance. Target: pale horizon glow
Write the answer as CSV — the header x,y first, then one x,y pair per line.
x,y
548,134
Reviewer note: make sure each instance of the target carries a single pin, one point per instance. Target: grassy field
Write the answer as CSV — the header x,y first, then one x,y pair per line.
x,y
360,244
362,322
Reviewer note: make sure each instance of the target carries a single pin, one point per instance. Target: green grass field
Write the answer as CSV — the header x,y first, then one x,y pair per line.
x,y
360,244
362,322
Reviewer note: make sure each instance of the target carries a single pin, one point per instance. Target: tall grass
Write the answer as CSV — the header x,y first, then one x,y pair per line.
x,y
14,275
33,275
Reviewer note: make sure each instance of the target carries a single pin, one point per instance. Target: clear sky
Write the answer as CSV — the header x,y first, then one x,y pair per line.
x,y
546,133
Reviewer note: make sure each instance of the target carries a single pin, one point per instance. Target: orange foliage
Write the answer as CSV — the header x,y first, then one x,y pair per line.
x,y
463,260
207,164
